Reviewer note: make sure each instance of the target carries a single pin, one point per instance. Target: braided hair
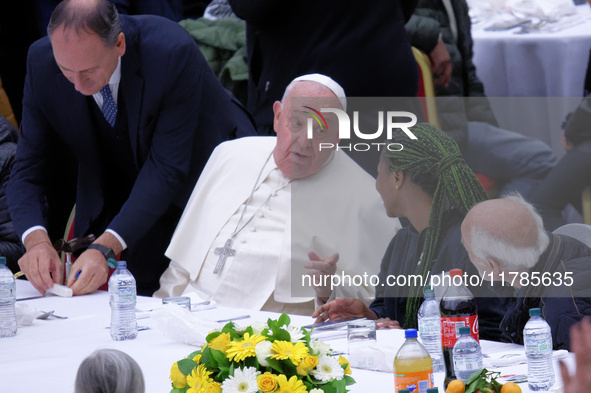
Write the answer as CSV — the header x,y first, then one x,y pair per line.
x,y
434,163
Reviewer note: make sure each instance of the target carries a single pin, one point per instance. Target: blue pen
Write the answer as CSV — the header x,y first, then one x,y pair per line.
x,y
77,274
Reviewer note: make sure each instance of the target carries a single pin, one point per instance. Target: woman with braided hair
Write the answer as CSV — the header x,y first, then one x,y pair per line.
x,y
428,182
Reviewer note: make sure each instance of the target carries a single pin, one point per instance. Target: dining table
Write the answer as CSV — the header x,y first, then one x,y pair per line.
x,y
534,77
45,355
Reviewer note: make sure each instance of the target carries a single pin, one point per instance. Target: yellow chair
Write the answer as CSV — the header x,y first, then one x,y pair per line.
x,y
6,108
426,86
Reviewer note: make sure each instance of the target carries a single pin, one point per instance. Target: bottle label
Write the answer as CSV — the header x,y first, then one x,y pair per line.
x,y
467,363
450,329
124,296
416,382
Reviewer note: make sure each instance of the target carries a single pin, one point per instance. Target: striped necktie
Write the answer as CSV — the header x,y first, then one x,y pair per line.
x,y
109,108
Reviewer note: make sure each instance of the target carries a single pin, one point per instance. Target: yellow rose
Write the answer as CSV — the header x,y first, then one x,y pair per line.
x,y
342,361
212,387
267,382
197,359
220,342
307,364
179,380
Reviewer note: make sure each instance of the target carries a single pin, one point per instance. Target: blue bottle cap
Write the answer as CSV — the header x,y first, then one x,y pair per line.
x,y
410,333
428,291
2,260
121,264
535,311
465,330
433,390
404,391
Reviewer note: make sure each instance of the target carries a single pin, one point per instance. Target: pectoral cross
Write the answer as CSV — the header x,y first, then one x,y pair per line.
x,y
224,252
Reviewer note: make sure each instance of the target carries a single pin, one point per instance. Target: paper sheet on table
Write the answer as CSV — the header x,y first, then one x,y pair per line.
x,y
511,358
24,290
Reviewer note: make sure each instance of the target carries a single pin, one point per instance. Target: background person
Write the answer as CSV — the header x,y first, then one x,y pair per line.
x,y
109,371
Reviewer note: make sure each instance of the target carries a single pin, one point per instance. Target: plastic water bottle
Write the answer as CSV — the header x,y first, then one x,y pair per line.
x,y
413,367
7,301
122,293
430,328
537,339
467,355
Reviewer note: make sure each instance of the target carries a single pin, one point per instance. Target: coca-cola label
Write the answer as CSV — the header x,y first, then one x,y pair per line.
x,y
450,329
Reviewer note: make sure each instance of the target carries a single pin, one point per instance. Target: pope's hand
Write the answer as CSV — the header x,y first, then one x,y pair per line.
x,y
441,64
343,308
322,270
39,261
94,272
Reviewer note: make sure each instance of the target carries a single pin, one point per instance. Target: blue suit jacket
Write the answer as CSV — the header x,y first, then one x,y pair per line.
x,y
177,113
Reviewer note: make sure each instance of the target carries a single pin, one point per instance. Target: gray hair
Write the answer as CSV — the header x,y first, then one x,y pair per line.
x,y
109,371
101,18
486,245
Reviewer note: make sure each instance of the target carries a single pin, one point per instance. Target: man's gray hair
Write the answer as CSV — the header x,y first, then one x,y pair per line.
x,y
109,371
101,18
486,245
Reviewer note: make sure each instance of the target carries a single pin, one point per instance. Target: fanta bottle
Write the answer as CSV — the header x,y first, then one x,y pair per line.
x,y
413,367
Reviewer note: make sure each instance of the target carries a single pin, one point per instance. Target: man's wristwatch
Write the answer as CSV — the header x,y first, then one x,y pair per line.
x,y
107,253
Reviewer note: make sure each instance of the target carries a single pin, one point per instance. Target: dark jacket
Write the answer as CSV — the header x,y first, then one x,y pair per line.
x,y
10,244
362,46
429,20
562,304
176,110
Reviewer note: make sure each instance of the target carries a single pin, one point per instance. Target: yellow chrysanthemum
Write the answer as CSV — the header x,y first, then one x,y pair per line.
x,y
220,342
342,361
294,385
307,364
288,350
267,382
211,387
179,380
241,349
198,378
197,359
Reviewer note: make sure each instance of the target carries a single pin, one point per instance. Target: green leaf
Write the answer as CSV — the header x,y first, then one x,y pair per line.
x,y
348,380
193,354
212,336
179,390
220,358
187,365
275,365
475,376
284,320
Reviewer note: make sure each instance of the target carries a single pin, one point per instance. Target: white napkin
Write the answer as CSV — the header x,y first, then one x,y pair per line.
x,y
372,357
180,324
25,314
511,358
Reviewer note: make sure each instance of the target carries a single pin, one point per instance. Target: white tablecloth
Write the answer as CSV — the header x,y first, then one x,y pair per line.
x,y
534,64
45,356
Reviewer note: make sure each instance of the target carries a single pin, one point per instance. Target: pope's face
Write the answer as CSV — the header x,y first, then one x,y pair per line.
x,y
295,154
84,58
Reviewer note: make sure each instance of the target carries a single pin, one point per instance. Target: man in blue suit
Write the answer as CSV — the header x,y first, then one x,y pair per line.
x,y
138,107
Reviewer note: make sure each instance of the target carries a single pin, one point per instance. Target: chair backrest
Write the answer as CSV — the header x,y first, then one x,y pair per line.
x,y
426,86
6,108
581,232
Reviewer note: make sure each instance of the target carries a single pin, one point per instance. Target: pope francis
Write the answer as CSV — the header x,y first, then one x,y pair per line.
x,y
273,222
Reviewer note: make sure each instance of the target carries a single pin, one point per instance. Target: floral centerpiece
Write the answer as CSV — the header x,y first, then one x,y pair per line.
x,y
274,357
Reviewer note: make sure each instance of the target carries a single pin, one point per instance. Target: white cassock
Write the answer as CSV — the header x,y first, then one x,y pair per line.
x,y
335,210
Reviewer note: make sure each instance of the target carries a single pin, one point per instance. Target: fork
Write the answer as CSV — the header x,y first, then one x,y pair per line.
x,y
49,314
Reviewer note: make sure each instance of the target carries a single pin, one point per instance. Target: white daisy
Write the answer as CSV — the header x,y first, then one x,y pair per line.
x,y
316,390
328,368
243,381
263,351
295,333
320,347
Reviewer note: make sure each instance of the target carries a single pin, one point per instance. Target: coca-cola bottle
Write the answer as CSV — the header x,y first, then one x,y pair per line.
x,y
458,309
